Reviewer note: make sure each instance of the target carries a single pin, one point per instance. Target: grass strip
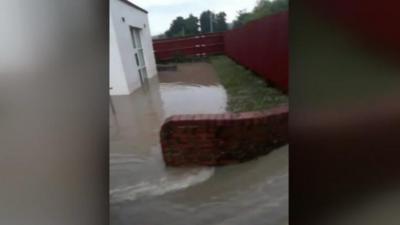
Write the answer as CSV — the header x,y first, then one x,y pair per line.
x,y
246,91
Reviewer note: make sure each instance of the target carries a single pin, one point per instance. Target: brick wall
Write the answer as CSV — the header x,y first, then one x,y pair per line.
x,y
220,139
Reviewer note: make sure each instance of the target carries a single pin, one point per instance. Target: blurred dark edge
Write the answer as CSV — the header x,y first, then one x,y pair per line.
x,y
54,112
345,111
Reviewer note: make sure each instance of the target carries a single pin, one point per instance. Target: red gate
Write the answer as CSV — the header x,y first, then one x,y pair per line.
x,y
200,45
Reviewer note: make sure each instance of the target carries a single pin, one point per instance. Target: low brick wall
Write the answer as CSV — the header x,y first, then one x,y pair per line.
x,y
221,139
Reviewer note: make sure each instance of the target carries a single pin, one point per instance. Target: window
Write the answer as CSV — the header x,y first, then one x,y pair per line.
x,y
138,52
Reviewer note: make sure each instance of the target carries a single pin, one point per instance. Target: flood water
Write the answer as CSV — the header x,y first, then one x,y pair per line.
x,y
144,192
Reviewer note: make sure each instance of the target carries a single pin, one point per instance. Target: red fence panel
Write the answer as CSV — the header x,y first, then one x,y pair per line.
x,y
262,46
204,44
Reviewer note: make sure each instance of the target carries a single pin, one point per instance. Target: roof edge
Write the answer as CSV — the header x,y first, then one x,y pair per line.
x,y
134,6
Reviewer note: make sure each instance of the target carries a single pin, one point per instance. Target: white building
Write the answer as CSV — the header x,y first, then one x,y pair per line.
x,y
131,49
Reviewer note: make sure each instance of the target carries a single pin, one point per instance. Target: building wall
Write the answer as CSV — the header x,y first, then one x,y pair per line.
x,y
124,76
117,75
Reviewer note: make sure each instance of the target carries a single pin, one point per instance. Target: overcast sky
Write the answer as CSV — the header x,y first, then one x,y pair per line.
x,y
162,12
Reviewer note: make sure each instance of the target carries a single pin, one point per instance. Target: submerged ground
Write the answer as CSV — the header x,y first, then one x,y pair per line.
x,y
144,192
246,91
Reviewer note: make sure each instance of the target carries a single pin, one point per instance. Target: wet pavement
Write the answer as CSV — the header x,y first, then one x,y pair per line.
x,y
144,192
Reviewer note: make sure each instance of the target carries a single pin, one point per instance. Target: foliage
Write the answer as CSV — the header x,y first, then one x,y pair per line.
x,y
183,27
241,19
246,91
191,25
263,8
205,23
159,36
177,27
211,22
220,24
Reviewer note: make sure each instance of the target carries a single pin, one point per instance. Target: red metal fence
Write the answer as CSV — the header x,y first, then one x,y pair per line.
x,y
262,46
200,45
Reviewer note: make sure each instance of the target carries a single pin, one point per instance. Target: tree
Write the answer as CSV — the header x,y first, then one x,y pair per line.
x,y
241,19
207,21
183,27
220,24
191,25
177,28
279,5
263,8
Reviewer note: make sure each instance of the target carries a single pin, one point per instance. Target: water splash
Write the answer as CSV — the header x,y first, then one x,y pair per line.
x,y
169,183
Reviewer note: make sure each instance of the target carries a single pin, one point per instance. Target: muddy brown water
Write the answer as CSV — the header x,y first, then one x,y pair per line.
x,y
145,192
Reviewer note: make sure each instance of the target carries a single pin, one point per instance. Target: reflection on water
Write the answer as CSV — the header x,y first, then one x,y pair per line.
x,y
144,191
193,88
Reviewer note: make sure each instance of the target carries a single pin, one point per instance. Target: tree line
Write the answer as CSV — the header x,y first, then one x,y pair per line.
x,y
209,21
192,25
262,8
